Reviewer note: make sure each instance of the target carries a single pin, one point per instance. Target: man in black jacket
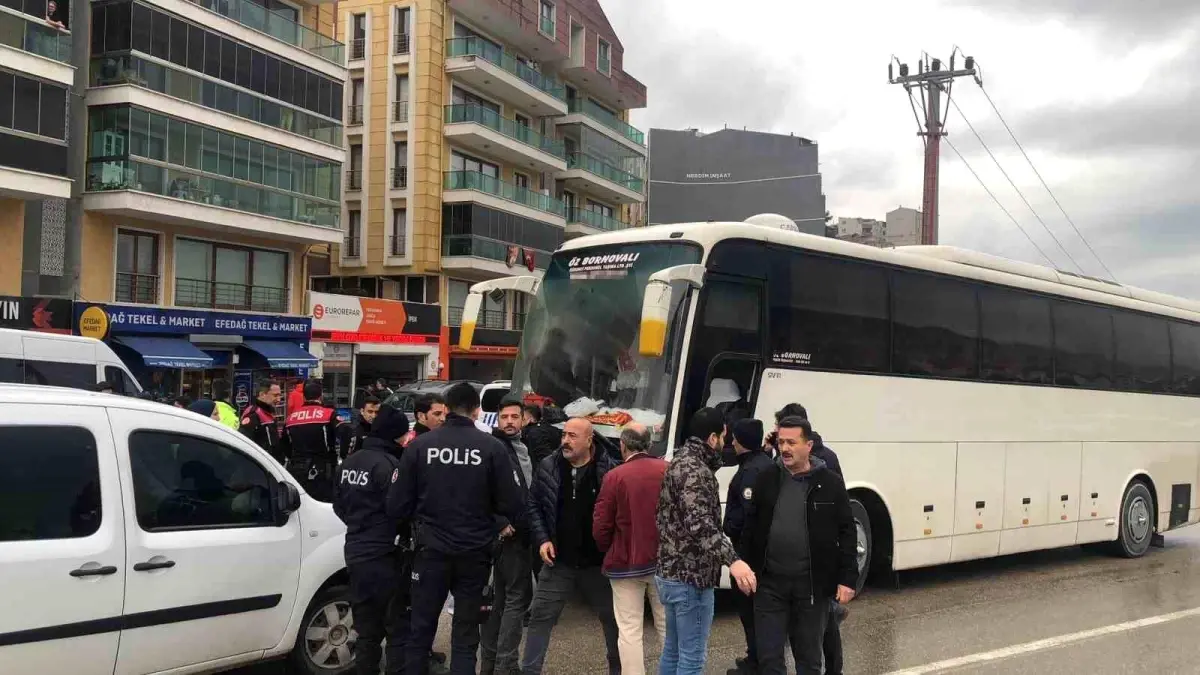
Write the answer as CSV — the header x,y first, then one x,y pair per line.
x,y
451,485
352,433
541,437
751,461
799,532
310,443
561,504
512,572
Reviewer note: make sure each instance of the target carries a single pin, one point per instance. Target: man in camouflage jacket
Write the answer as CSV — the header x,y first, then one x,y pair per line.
x,y
692,548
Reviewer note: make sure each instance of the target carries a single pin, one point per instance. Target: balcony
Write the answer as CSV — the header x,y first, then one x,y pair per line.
x,y
399,178
221,295
480,258
28,35
400,112
358,49
584,111
402,44
259,18
589,174
157,193
354,115
396,245
354,180
351,247
582,221
141,289
472,186
501,75
485,132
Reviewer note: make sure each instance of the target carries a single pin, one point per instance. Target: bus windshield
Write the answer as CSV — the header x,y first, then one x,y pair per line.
x,y
579,347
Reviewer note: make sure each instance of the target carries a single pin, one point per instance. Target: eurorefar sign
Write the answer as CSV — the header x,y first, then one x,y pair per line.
x,y
103,320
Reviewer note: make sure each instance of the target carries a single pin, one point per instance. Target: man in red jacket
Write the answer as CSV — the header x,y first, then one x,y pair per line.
x,y
624,527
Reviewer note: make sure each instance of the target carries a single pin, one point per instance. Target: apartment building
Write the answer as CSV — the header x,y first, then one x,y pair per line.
x,y
480,134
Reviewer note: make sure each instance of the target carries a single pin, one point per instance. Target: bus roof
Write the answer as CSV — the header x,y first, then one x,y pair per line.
x,y
939,259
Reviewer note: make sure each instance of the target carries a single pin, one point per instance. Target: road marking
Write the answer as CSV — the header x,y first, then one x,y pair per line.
x,y
1047,643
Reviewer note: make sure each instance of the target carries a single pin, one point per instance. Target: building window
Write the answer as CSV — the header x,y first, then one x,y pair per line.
x,y
547,18
465,98
521,180
603,57
354,175
460,162
353,242
358,39
403,29
221,276
357,95
32,106
414,289
456,292
137,267
400,105
602,209
397,238
400,165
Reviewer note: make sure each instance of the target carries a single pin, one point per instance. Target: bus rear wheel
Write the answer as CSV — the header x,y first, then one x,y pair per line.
x,y
1137,521
863,541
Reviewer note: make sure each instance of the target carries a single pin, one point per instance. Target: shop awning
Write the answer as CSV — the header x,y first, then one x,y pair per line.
x,y
282,355
163,352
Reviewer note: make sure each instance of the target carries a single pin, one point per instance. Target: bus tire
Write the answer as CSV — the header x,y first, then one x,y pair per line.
x,y
1137,521
863,543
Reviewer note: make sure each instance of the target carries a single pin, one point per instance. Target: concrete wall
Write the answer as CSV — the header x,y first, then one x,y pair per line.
x,y
732,175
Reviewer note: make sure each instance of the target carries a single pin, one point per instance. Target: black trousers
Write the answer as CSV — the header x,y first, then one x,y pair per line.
x,y
745,609
379,596
434,575
785,611
833,645
512,582
314,475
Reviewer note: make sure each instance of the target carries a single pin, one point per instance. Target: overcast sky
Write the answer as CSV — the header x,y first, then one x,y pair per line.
x,y
1104,95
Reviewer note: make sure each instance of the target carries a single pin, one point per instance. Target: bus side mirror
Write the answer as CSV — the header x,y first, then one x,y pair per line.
x,y
470,313
656,306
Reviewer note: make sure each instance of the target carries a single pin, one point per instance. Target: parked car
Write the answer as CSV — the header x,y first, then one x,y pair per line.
x,y
490,398
140,538
404,397
31,357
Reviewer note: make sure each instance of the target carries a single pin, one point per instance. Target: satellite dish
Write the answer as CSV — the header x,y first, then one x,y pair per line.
x,y
774,220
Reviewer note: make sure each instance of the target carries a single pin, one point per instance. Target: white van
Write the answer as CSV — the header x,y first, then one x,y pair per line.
x,y
56,360
139,538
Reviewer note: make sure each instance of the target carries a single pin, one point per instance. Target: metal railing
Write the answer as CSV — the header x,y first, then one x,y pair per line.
x,y
396,245
473,180
608,119
518,321
351,247
122,174
400,111
32,35
358,49
355,115
595,219
488,318
477,114
606,171
402,44
223,295
127,69
472,46
137,288
354,180
400,178
263,20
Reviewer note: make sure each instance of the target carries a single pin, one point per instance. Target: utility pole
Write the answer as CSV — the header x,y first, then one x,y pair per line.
x,y
931,81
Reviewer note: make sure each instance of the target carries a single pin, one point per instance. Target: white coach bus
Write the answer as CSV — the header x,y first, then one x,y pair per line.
x,y
979,406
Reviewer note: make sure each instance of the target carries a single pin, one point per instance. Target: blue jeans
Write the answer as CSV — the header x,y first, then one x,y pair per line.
x,y
689,620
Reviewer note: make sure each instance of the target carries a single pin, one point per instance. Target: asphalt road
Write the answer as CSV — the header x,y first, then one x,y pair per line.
x,y
1064,611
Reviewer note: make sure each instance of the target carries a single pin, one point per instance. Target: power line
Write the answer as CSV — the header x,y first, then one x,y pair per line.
x,y
1044,184
993,196
1014,187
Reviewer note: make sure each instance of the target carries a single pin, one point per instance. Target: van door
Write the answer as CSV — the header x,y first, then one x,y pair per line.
x,y
213,569
62,541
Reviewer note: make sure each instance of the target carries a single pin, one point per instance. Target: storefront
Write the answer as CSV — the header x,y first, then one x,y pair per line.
x,y
490,358
45,315
363,339
181,351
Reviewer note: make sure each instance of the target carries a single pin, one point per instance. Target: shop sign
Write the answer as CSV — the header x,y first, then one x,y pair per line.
x,y
102,320
337,356
348,318
48,315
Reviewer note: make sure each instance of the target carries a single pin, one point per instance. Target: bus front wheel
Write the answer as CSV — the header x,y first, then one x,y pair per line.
x,y
1137,521
863,541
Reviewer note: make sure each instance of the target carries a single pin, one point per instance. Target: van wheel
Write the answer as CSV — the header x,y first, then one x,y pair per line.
x,y
325,645
863,541
1137,521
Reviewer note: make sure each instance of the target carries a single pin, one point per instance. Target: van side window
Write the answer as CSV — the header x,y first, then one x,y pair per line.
x,y
186,483
58,374
49,483
120,381
12,371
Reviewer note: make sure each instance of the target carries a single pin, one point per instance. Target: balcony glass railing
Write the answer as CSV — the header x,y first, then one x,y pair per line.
x,y
473,180
108,175
471,46
224,295
595,219
482,247
32,35
467,114
117,70
608,119
606,171
263,20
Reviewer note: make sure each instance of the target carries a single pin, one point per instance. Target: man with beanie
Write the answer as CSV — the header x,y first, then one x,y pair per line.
x,y
751,460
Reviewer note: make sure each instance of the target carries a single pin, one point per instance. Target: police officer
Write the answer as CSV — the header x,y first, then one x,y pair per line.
x,y
310,443
258,419
378,581
351,434
751,459
452,484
